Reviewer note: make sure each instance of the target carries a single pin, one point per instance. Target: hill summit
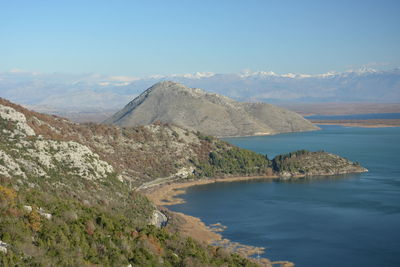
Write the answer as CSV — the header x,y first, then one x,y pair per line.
x,y
209,113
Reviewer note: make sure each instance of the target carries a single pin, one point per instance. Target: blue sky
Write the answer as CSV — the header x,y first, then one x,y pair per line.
x,y
141,38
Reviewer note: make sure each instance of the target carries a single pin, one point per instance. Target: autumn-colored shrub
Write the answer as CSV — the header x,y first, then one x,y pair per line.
x,y
35,221
7,194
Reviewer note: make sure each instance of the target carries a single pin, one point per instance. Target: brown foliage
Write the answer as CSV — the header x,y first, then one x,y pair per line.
x,y
90,228
35,221
151,243
14,212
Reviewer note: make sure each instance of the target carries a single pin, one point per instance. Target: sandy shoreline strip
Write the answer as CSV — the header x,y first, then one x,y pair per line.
x,y
370,123
166,194
360,125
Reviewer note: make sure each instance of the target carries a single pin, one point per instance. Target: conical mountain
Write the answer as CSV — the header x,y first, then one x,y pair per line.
x,y
209,113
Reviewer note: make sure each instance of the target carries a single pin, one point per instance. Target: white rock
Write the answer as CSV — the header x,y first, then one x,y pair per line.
x,y
48,216
9,168
79,158
10,114
158,219
28,208
184,172
3,247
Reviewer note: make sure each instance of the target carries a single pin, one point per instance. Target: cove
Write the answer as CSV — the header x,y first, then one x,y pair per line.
x,y
347,220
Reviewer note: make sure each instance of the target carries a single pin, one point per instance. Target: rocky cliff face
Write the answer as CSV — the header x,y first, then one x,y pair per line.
x,y
211,114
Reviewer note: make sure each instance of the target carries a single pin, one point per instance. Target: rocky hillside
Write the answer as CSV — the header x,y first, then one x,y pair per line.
x,y
137,154
37,145
67,190
211,114
64,204
36,154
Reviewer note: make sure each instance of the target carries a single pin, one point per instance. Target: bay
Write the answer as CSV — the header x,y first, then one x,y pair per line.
x,y
350,220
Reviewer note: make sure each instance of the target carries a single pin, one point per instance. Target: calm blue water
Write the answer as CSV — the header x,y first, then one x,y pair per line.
x,y
343,221
355,116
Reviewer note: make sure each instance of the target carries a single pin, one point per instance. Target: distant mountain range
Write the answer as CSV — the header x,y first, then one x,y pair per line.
x,y
209,113
91,92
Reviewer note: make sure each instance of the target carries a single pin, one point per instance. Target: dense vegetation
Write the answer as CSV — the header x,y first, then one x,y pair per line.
x,y
225,159
303,162
289,162
81,235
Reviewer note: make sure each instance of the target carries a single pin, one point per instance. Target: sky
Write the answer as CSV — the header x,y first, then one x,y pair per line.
x,y
141,38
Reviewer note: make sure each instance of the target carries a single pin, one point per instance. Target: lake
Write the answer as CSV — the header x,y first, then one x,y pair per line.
x,y
350,220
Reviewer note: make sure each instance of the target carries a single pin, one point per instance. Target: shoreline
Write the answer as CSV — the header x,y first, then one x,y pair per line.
x,y
360,123
167,194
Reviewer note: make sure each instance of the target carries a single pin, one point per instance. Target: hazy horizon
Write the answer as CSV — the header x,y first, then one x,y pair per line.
x,y
102,92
